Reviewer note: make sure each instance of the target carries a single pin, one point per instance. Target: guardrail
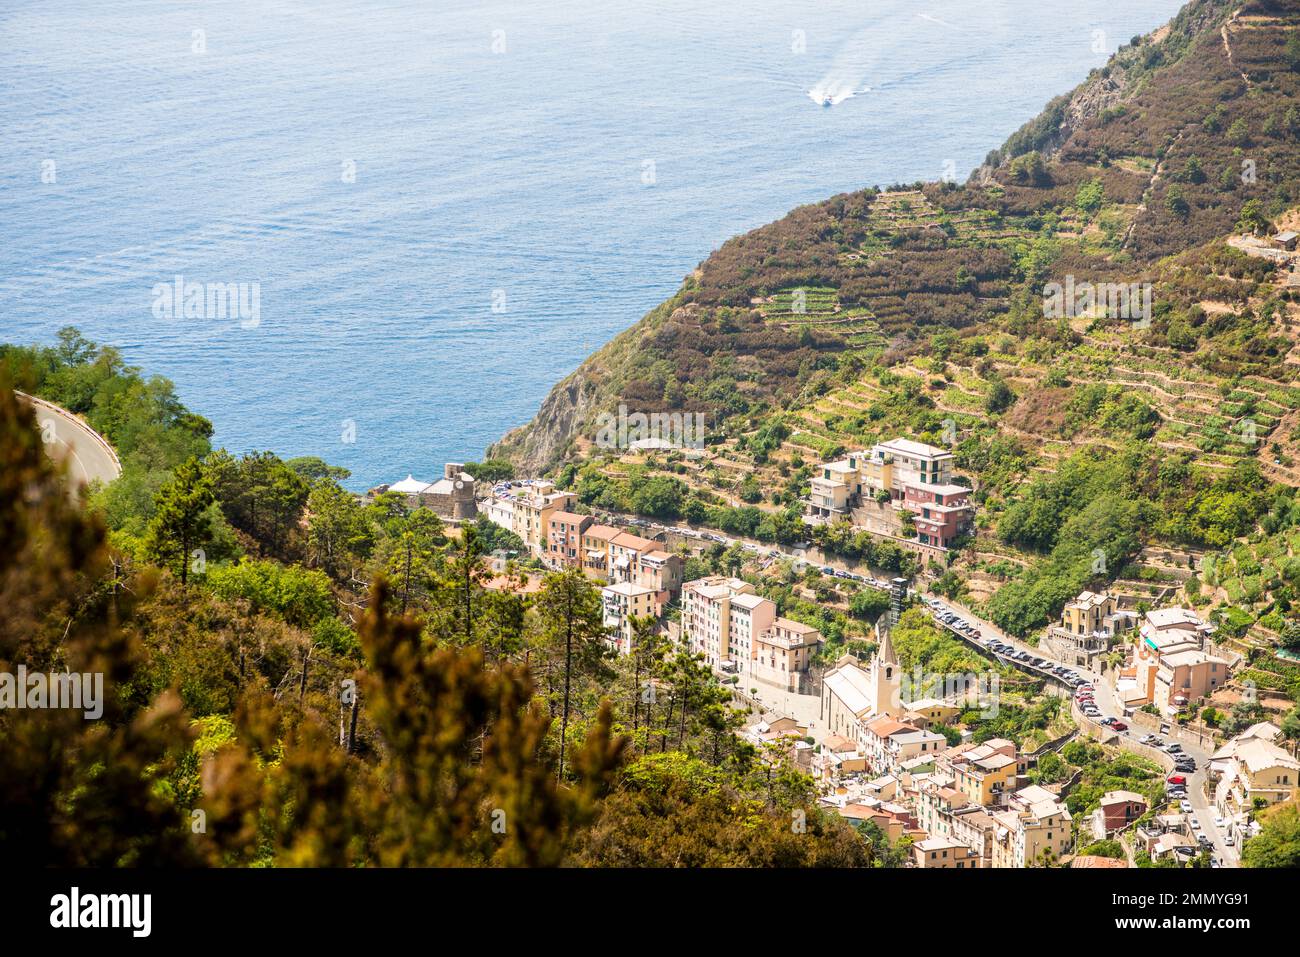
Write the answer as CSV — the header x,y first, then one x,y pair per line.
x,y
1095,729
73,417
1024,666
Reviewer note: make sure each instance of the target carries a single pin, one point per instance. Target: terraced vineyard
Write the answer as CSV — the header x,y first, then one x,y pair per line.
x,y
925,311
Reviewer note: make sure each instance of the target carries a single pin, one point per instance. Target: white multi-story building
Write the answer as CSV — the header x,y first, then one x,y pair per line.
x,y
1035,829
707,620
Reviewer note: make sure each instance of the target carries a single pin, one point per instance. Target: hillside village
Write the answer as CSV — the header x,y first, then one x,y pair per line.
x,y
1055,408
915,755
983,551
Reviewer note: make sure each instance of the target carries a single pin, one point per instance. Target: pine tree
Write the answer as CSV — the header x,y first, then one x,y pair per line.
x,y
572,622
182,523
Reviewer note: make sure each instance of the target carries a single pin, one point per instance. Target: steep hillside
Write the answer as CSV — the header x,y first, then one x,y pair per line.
x,y
1168,143
1118,443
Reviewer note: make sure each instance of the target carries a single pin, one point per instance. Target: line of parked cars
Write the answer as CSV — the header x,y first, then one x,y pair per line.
x,y
945,616
1045,665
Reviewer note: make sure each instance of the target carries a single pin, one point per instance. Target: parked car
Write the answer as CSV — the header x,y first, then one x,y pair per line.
x,y
1119,726
1230,840
1107,721
1174,748
1186,806
1176,779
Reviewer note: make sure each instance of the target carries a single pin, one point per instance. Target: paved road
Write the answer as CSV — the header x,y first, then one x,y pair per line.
x,y
90,458
1108,705
703,535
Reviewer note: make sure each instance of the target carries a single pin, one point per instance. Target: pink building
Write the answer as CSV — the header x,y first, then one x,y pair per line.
x,y
941,512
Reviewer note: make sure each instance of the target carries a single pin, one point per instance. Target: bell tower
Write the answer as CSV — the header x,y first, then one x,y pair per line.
x,y
886,676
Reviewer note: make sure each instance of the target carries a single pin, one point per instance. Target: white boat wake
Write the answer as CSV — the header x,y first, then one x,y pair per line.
x,y
834,93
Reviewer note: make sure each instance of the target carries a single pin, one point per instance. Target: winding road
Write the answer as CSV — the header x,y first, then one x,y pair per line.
x,y
89,457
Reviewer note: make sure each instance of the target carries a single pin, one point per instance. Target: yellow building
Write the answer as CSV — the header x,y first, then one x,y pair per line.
x,y
984,772
1258,774
533,507
944,852
931,711
595,550
1090,613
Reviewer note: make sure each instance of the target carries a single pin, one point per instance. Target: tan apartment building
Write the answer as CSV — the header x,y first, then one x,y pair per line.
x,y
750,616
1258,774
595,550
945,812
625,551
526,510
621,602
661,572
1168,666
908,477
945,852
1186,678
986,772
707,619
783,653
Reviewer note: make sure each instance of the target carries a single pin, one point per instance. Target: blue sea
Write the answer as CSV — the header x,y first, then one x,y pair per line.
x,y
444,207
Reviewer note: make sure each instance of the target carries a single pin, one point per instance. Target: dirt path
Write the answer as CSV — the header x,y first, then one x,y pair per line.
x,y
1227,49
